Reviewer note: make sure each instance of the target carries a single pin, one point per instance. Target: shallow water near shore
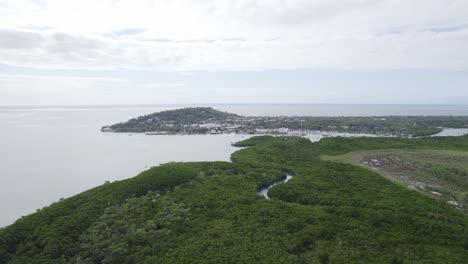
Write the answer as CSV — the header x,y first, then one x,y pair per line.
x,y
452,132
48,155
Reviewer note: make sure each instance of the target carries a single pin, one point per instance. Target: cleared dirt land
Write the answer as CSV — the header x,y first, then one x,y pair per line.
x,y
440,174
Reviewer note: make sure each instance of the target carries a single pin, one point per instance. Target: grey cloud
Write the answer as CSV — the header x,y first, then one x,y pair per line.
x,y
164,85
234,40
46,49
37,27
250,35
391,31
445,29
17,39
128,32
433,29
157,40
147,59
63,49
198,40
61,42
168,40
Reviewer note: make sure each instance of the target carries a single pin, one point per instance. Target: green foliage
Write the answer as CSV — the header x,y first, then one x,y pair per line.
x,y
441,174
210,213
257,141
52,232
342,145
288,152
424,131
335,184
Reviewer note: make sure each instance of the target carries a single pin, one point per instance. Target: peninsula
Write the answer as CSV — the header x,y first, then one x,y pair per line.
x,y
206,120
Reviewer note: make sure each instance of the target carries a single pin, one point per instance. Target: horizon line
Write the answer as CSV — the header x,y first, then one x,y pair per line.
x,y
208,104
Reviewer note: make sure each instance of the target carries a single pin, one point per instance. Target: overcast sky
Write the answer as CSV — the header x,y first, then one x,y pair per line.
x,y
252,51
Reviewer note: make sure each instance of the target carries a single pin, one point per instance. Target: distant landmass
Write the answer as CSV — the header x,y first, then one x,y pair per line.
x,y
206,120
195,120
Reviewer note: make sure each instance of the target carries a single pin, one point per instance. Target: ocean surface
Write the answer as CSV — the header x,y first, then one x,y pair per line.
x,y
286,109
53,152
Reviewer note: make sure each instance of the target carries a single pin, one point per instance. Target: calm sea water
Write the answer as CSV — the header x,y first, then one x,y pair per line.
x,y
287,109
48,153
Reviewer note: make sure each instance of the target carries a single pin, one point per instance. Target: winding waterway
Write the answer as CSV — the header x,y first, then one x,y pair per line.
x,y
264,190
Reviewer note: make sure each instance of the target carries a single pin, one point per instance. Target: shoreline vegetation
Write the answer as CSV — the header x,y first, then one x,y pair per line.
x,y
206,120
210,212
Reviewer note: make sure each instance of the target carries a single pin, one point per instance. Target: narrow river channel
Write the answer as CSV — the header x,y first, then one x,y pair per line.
x,y
264,191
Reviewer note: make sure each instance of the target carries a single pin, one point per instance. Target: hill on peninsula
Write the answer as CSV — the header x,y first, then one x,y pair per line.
x,y
204,120
172,120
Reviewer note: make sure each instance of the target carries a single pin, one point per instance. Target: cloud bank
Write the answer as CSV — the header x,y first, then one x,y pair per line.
x,y
236,51
235,35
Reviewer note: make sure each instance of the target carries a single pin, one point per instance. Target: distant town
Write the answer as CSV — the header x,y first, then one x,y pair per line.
x,y
206,120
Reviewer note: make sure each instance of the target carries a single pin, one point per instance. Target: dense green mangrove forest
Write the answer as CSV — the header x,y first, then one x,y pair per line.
x,y
210,212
